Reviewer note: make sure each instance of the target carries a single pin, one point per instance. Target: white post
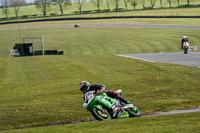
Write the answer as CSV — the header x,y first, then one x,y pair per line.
x,y
33,45
23,39
42,45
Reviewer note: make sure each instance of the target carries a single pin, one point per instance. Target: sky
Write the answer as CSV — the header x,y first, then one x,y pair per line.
x,y
28,1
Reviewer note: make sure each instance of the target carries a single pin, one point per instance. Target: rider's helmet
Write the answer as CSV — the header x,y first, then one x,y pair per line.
x,y
84,86
184,37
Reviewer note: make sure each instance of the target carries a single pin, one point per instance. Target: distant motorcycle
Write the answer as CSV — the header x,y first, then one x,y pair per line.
x,y
186,46
104,107
76,25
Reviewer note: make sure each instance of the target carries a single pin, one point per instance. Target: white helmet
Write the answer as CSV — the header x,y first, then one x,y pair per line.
x,y
184,37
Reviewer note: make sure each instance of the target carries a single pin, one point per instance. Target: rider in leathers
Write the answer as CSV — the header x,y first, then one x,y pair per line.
x,y
184,40
85,87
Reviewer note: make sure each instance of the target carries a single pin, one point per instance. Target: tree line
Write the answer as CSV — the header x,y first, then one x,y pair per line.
x,y
44,5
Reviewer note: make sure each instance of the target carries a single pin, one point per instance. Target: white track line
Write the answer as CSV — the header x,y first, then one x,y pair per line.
x,y
135,58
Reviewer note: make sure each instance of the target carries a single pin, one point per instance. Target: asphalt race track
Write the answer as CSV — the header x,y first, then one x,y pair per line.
x,y
98,26
190,59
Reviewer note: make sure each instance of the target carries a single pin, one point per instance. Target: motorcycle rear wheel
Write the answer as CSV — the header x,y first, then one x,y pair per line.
x,y
102,114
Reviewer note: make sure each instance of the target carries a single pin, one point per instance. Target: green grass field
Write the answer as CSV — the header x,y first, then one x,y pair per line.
x,y
44,89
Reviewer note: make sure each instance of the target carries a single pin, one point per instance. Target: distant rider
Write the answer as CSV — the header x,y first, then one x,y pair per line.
x,y
85,87
184,40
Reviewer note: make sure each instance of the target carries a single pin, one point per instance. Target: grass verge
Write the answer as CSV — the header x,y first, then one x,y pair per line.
x,y
178,123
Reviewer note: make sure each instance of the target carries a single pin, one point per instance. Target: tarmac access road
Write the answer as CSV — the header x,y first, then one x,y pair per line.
x,y
190,59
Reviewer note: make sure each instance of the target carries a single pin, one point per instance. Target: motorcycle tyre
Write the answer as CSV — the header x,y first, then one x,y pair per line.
x,y
133,114
185,50
97,116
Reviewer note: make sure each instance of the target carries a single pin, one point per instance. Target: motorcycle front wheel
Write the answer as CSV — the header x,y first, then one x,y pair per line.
x,y
185,50
134,112
100,114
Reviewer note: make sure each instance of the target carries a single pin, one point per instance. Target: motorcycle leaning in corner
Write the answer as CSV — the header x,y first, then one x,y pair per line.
x,y
103,107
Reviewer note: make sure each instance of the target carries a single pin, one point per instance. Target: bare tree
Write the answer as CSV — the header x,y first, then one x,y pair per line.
x,y
97,3
134,3
16,4
116,5
178,2
153,2
161,4
188,2
5,7
108,4
62,4
170,3
126,3
143,3
44,5
79,4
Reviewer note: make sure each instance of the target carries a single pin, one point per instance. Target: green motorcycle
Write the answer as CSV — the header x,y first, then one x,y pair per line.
x,y
104,107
